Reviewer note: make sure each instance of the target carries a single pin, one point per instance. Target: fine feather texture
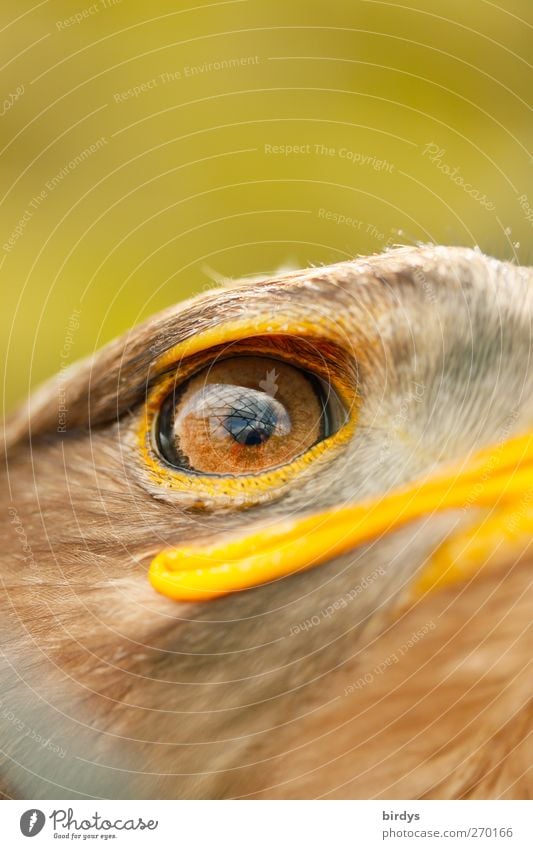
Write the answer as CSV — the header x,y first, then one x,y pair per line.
x,y
317,685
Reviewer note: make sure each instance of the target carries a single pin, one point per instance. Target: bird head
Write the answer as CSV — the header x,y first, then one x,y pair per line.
x,y
252,546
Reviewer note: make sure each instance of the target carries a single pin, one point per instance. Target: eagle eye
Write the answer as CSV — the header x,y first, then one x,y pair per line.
x,y
245,415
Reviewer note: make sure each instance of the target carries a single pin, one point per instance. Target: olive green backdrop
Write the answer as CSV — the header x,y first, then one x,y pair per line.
x,y
148,147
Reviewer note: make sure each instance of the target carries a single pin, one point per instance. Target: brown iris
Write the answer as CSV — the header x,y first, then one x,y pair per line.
x,y
241,416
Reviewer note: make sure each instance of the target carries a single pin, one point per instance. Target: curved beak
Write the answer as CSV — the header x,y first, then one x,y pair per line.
x,y
499,478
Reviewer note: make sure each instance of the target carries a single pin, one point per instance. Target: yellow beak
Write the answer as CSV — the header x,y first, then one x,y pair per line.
x,y
500,477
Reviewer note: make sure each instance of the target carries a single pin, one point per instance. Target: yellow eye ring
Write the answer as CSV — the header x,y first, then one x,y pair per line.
x,y
207,490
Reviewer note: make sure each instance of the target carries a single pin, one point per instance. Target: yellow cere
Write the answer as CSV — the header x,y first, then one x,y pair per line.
x,y
499,479
505,532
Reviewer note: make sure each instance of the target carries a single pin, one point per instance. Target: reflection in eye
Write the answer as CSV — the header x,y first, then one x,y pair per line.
x,y
244,415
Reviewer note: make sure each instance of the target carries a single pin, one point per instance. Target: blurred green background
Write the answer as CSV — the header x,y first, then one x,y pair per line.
x,y
146,147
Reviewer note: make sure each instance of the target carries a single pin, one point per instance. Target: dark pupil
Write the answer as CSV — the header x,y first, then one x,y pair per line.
x,y
252,420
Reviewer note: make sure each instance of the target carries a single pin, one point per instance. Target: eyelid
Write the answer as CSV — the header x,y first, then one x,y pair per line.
x,y
272,337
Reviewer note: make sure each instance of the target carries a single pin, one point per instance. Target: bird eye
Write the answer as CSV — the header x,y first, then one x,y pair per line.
x,y
245,415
